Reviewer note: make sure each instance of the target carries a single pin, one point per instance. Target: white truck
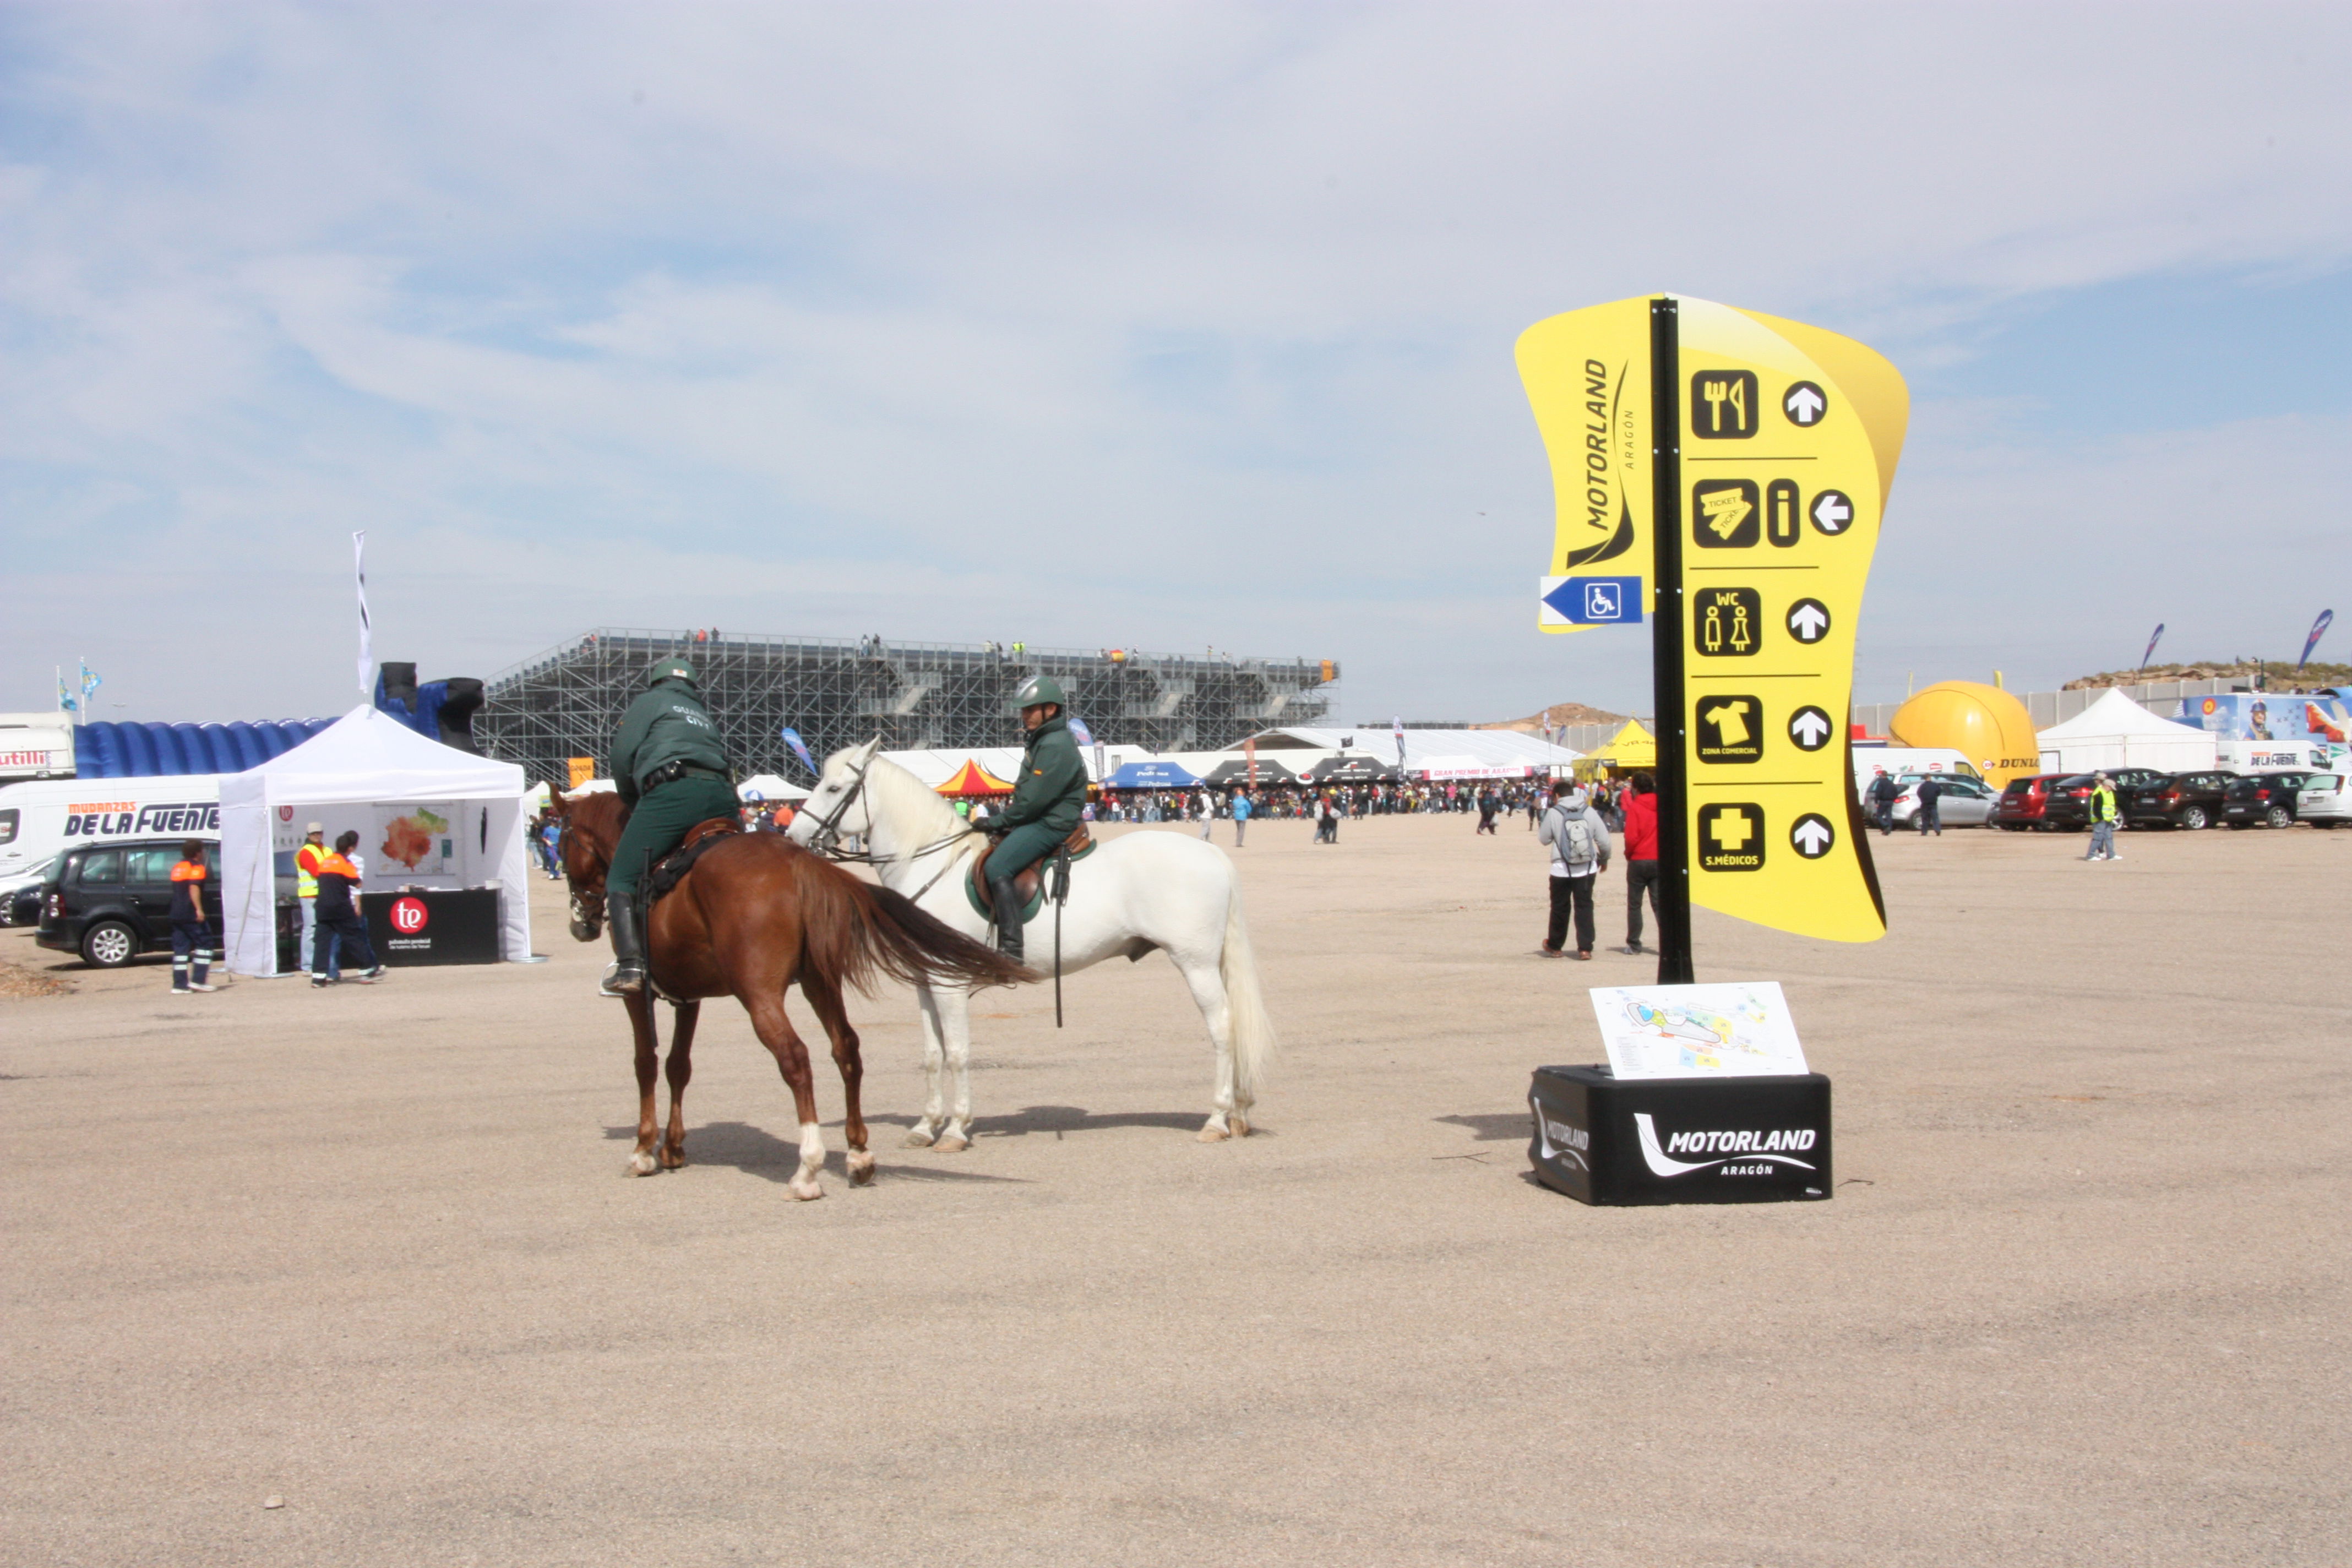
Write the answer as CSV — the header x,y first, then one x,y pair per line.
x,y
41,820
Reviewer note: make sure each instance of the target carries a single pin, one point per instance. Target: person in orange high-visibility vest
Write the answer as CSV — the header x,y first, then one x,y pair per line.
x,y
339,915
188,935
307,861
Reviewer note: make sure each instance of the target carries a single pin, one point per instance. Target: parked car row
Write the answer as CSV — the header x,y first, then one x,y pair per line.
x,y
2145,798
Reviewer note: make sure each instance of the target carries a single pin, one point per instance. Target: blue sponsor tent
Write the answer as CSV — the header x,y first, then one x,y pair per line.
x,y
1150,775
122,750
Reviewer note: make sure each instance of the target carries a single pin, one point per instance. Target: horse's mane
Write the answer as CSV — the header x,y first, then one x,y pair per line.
x,y
908,801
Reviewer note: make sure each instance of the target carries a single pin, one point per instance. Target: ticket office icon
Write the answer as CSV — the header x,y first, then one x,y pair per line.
x,y
1727,623
1731,837
1726,514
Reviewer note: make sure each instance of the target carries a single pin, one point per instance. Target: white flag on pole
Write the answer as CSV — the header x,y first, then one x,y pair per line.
x,y
367,633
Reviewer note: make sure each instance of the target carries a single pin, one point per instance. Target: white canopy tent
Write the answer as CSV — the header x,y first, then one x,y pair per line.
x,y
770,786
353,774
2117,733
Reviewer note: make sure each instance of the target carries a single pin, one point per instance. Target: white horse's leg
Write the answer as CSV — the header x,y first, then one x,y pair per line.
x,y
1209,995
921,1135
955,1011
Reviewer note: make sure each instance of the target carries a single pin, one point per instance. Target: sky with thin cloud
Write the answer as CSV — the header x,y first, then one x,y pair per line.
x,y
1171,326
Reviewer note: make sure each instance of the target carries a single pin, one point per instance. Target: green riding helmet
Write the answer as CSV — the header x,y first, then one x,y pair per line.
x,y
663,669
1040,688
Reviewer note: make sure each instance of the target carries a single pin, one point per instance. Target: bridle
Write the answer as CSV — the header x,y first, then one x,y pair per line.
x,y
826,839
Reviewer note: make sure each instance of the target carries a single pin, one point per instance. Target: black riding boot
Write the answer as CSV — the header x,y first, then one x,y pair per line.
x,y
628,947
1006,896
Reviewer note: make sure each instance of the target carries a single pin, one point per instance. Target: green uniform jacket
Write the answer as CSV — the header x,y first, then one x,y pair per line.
x,y
667,724
1052,789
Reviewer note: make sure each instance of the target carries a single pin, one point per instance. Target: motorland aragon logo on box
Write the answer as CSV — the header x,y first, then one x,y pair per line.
x,y
1555,1139
1749,1153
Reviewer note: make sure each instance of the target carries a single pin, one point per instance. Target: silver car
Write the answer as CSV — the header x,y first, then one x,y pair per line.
x,y
2326,800
1961,801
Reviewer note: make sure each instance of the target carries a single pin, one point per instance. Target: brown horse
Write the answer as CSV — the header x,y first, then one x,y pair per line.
x,y
755,913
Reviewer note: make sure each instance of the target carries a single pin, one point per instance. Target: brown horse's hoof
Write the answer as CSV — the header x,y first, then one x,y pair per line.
x,y
861,1168
951,1144
673,1160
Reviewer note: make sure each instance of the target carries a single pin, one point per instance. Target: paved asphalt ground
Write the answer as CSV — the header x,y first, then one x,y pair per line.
x,y
2080,1297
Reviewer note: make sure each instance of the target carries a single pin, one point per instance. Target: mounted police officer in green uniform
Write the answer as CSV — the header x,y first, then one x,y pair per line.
x,y
1045,805
672,772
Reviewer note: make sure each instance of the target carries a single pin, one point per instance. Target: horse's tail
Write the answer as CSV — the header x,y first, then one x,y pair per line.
x,y
853,930
1253,1043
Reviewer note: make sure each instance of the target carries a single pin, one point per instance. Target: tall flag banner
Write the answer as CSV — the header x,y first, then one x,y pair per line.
x,y
792,738
1396,727
2318,629
90,683
2157,637
367,632
1079,732
1722,473
1588,376
65,703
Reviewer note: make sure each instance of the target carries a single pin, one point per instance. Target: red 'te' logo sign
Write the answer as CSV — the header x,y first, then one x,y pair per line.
x,y
408,915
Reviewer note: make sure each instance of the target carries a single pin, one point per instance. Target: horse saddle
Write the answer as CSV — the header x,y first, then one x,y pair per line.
x,y
672,867
1030,885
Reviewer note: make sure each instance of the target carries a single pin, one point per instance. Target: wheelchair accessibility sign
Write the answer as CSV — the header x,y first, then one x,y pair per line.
x,y
1590,601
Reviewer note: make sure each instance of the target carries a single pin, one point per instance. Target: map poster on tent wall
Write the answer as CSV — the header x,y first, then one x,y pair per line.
x,y
413,841
1740,1030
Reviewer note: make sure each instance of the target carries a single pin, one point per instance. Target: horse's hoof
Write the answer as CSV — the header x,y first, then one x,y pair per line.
x,y
804,1188
1240,1125
641,1163
673,1160
951,1144
916,1139
861,1169
1212,1133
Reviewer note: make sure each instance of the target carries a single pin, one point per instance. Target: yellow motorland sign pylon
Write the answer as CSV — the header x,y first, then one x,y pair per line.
x,y
1770,447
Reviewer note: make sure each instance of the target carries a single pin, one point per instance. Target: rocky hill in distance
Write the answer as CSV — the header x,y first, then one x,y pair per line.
x,y
2278,675
1561,715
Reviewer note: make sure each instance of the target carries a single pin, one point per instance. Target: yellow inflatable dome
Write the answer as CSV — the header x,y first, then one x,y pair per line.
x,y
1983,723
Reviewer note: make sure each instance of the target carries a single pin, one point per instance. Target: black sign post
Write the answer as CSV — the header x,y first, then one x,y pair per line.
x,y
1666,637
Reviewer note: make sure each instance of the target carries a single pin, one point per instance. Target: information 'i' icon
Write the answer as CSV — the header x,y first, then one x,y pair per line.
x,y
1784,521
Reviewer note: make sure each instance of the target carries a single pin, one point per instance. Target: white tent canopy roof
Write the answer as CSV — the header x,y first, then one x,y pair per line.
x,y
1447,749
2111,716
2117,733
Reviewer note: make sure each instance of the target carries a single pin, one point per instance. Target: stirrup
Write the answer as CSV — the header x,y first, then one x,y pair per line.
x,y
618,984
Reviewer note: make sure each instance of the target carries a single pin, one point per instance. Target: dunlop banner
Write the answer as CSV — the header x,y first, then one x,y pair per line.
x,y
1788,441
1588,376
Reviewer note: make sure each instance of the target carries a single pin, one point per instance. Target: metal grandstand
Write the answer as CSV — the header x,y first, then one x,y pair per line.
x,y
918,696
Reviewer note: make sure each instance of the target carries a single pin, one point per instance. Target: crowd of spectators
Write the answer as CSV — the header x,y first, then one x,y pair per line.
x,y
1300,801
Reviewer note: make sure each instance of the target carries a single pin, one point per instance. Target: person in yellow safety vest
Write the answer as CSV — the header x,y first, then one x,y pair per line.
x,y
307,861
2102,819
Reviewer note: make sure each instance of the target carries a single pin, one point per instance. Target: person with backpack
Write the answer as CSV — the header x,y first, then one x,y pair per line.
x,y
1579,841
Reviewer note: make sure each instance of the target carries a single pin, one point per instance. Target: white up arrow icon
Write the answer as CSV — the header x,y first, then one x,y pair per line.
x,y
1812,837
1810,728
1808,620
1805,404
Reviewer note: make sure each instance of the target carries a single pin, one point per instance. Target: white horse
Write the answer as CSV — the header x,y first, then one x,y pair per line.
x,y
1132,894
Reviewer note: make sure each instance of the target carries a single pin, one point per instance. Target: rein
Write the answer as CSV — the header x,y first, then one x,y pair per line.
x,y
826,839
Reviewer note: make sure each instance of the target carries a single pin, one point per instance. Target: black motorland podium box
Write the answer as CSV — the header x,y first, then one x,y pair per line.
x,y
1605,1140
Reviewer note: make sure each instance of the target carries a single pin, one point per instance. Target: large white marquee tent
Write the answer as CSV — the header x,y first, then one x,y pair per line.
x,y
2117,733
